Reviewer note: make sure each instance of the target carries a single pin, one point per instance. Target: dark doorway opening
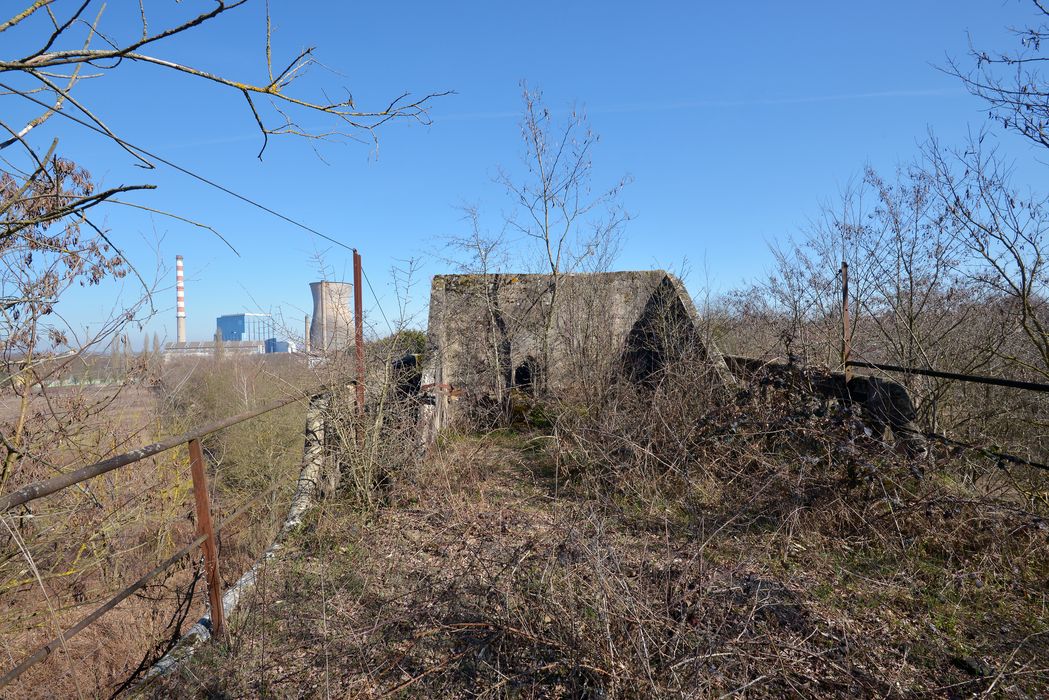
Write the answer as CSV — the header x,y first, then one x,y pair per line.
x,y
526,376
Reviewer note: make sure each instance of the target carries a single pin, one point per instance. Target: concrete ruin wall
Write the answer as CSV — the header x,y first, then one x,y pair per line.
x,y
484,327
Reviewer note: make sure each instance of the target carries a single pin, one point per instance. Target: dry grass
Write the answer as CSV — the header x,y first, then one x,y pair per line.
x,y
705,546
88,543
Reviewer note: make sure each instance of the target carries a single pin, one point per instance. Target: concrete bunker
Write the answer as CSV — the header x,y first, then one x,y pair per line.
x,y
486,334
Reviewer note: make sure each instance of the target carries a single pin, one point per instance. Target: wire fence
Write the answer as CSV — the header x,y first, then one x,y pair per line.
x,y
972,378
998,455
206,528
847,364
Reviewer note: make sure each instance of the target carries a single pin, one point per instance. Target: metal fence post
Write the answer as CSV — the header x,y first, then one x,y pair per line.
x,y
358,345
209,546
358,328
846,338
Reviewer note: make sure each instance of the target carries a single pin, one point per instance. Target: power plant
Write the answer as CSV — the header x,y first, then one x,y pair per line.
x,y
330,328
235,334
332,325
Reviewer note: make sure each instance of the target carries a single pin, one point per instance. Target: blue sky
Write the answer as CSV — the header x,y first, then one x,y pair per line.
x,y
735,121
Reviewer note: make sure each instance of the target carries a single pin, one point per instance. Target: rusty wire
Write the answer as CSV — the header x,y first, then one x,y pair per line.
x,y
46,650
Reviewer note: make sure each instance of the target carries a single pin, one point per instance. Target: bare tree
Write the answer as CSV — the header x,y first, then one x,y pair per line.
x,y
72,36
50,240
575,227
1012,82
915,295
1006,234
487,255
797,307
53,241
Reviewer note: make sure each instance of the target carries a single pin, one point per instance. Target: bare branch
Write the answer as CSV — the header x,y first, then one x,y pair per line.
x,y
24,14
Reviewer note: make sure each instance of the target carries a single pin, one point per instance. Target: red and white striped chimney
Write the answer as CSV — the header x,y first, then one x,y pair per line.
x,y
180,314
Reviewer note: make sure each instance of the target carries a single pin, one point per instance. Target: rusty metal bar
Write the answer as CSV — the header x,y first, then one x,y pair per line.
x,y
39,489
358,344
202,501
358,328
46,650
846,339
975,379
752,363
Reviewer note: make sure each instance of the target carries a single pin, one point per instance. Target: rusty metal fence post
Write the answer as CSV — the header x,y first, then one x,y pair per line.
x,y
358,345
209,545
206,529
358,328
846,337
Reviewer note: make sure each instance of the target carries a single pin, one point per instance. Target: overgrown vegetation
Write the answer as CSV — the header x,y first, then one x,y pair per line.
x,y
603,520
949,266
613,533
72,395
87,544
610,532
663,542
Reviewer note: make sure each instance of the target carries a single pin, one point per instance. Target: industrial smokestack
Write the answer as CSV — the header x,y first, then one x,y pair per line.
x,y
332,325
180,311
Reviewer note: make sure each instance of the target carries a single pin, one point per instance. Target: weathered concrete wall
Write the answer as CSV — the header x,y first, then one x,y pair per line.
x,y
484,329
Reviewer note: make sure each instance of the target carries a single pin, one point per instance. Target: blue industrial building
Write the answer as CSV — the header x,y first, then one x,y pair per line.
x,y
245,327
252,328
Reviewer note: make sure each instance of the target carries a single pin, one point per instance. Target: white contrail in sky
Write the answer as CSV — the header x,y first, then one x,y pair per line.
x,y
251,132
745,102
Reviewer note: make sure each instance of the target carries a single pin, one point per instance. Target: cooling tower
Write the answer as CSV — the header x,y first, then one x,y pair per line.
x,y
332,325
180,309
